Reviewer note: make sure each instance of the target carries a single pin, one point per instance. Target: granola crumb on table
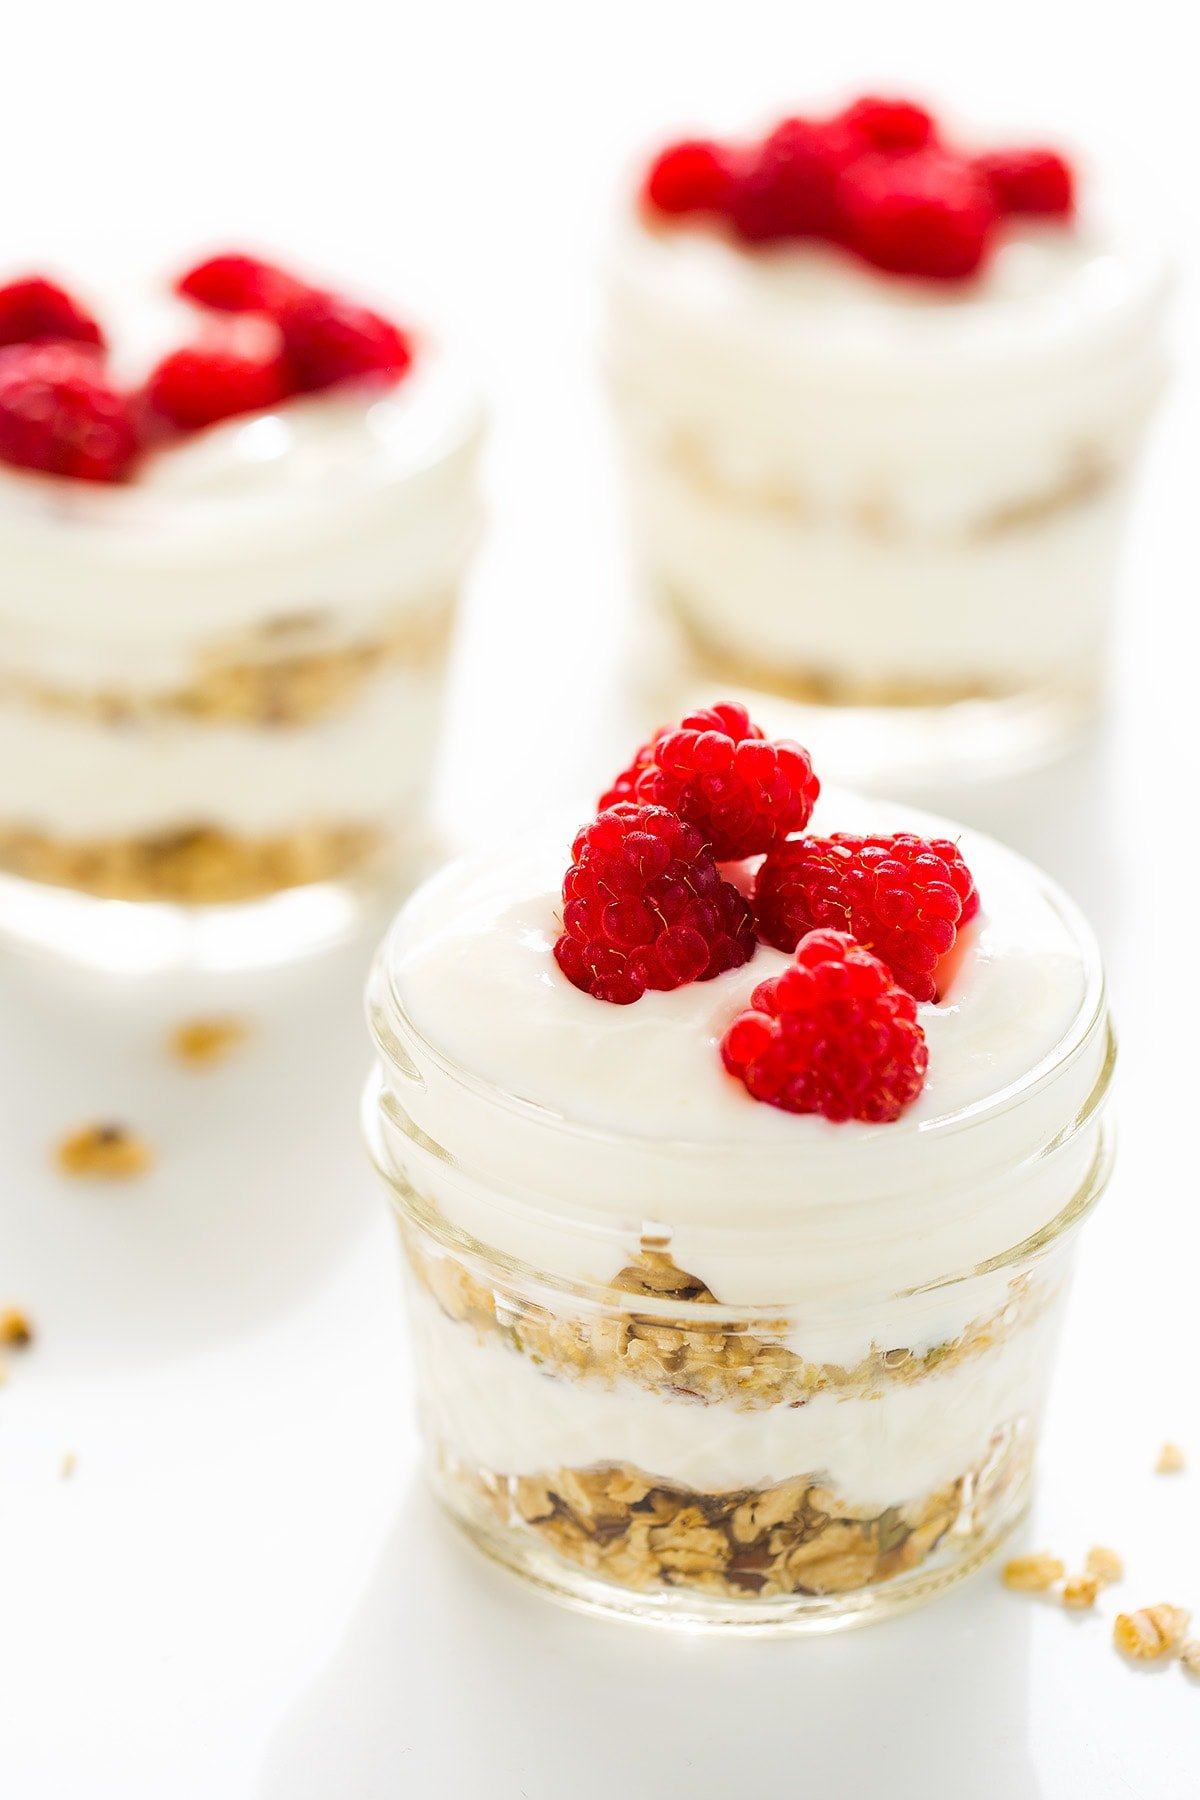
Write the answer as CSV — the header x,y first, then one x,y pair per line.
x,y
105,1151
1151,1632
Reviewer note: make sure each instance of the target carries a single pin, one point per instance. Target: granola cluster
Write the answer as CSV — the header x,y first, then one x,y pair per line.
x,y
201,866
721,1361
793,1538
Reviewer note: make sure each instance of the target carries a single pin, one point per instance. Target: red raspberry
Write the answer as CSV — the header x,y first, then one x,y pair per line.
x,y
644,906
787,186
926,214
690,177
833,1034
35,311
237,283
717,771
1029,181
196,387
328,340
903,897
58,414
887,125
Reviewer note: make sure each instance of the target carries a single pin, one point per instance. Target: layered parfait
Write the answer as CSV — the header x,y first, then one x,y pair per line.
x,y
235,512
881,389
739,1153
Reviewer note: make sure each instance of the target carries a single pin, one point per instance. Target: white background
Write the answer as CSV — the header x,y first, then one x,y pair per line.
x,y
243,1590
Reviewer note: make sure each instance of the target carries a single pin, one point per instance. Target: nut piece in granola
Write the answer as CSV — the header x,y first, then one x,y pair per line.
x,y
1104,1564
202,1043
106,1152
1034,1573
1151,1632
16,1333
1079,1592
1171,1460
1189,1655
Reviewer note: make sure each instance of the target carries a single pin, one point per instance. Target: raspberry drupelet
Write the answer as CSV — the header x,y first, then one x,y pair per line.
x,y
833,1034
644,906
904,897
717,771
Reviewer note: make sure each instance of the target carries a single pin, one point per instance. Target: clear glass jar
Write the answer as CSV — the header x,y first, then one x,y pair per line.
x,y
711,1385
900,508
221,683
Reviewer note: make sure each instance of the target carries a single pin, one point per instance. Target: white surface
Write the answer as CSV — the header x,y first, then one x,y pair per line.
x,y
243,1593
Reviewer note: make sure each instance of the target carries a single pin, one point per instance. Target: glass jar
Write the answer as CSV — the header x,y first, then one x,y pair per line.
x,y
896,506
713,1384
221,683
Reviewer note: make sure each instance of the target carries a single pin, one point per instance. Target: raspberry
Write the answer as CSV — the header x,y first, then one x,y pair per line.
x,y
1029,181
327,340
926,214
903,897
690,177
196,387
35,311
886,125
717,771
833,1034
237,283
644,906
787,186
58,414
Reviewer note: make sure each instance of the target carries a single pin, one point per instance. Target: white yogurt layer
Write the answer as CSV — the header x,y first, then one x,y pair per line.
x,y
856,475
571,1127
353,507
80,780
499,1412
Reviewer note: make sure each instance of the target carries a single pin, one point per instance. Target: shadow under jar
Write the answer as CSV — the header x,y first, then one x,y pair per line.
x,y
795,1385
221,683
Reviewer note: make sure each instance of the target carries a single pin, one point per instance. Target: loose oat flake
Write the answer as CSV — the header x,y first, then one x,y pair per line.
x,y
1189,1655
204,1042
1151,1632
16,1333
104,1151
1033,1574
1079,1592
1171,1460
1104,1564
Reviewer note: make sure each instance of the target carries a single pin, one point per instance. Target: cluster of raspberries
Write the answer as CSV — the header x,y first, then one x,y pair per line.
x,y
879,179
871,920
265,338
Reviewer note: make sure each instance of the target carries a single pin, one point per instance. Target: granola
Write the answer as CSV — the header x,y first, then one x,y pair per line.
x,y
688,1356
1151,1632
1033,1574
108,1152
203,1042
795,1537
285,675
16,1332
1104,1564
197,866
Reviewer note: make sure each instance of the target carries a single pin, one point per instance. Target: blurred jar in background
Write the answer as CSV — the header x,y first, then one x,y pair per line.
x,y
231,543
880,401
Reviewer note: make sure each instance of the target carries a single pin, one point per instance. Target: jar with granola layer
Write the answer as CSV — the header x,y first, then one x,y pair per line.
x,y
223,638
683,1355
882,389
